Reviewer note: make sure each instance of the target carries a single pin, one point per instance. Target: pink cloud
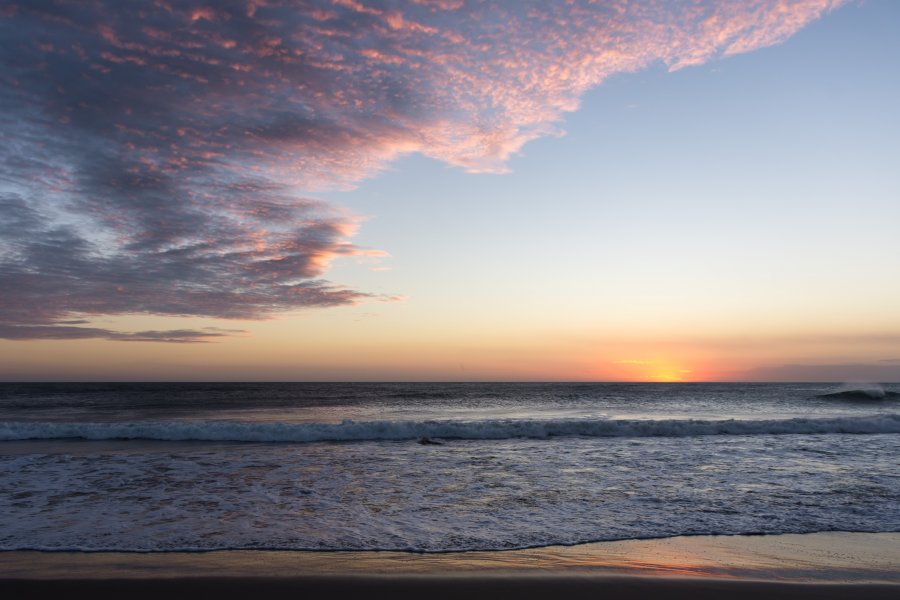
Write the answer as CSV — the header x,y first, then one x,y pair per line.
x,y
190,134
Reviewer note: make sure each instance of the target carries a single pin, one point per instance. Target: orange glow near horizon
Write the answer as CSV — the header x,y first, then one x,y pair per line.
x,y
654,370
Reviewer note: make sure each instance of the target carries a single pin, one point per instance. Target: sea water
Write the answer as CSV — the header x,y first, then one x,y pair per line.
x,y
438,467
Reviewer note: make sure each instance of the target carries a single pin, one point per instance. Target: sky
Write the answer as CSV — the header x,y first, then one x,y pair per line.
x,y
450,190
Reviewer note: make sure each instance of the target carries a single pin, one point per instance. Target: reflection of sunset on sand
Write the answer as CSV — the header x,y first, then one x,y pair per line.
x,y
824,557
829,565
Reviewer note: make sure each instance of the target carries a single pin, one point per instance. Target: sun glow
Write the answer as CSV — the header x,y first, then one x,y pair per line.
x,y
652,370
666,373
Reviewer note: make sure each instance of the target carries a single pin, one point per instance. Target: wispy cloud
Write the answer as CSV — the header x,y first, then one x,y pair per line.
x,y
157,157
60,331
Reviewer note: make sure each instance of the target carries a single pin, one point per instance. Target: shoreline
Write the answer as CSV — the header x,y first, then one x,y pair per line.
x,y
789,567
833,557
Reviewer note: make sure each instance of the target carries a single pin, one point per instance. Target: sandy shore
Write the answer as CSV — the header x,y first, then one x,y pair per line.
x,y
825,565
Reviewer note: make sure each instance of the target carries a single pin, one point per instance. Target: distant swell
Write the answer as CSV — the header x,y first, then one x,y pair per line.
x,y
448,430
864,394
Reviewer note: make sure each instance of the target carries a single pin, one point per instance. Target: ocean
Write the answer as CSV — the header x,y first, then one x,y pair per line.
x,y
435,467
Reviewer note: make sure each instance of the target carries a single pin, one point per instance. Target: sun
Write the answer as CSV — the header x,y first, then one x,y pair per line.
x,y
669,374
652,370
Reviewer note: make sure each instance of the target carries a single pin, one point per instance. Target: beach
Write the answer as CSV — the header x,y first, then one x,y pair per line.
x,y
822,565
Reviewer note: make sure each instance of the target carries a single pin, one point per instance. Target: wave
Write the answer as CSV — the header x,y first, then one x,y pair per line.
x,y
860,391
420,395
493,429
861,395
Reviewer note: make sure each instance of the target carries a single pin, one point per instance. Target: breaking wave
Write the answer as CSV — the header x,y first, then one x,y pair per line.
x,y
493,429
862,391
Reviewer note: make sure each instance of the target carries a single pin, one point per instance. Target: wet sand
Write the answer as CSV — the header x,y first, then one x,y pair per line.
x,y
824,565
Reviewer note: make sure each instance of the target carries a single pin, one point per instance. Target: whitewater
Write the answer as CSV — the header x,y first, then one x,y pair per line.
x,y
438,467
348,430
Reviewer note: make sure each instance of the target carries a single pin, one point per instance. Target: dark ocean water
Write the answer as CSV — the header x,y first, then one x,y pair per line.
x,y
436,467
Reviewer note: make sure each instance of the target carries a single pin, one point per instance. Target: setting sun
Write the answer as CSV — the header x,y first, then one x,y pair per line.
x,y
667,373
651,370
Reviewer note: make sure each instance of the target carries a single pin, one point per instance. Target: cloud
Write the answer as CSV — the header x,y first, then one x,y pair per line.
x,y
60,331
883,372
50,271
158,157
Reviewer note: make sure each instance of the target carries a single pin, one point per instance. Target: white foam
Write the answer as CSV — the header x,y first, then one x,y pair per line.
x,y
459,496
870,390
449,429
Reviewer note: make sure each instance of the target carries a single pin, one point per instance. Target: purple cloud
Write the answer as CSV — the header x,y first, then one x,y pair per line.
x,y
881,371
157,157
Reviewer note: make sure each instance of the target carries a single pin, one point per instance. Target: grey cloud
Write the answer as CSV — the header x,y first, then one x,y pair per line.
x,y
61,331
49,273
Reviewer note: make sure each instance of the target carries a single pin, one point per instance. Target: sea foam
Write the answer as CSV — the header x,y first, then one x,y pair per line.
x,y
495,429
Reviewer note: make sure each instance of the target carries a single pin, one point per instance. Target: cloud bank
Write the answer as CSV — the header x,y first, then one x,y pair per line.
x,y
158,157
883,371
